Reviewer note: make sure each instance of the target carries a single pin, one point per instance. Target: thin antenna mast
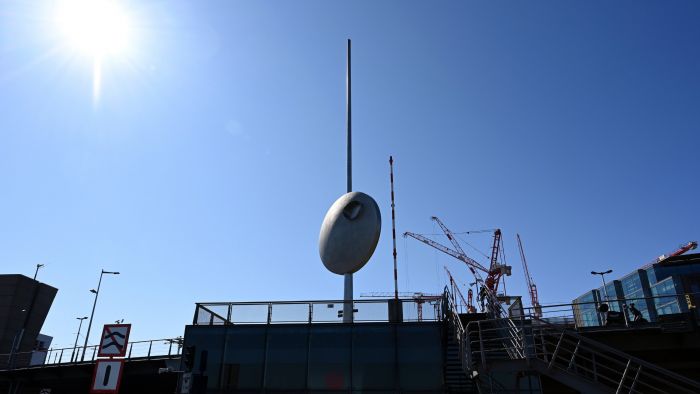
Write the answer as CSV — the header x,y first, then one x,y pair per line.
x,y
393,228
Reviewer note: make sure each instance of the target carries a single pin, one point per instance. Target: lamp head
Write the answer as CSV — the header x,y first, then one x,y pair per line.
x,y
93,291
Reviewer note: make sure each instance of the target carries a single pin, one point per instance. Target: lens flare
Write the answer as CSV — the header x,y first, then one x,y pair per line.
x,y
94,27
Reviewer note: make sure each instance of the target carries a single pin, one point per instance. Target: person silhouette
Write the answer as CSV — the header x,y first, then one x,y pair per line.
x,y
636,313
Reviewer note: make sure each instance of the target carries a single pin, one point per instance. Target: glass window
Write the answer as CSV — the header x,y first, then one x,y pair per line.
x,y
665,305
651,274
420,357
373,357
209,344
287,351
641,305
668,308
585,313
244,358
630,284
329,357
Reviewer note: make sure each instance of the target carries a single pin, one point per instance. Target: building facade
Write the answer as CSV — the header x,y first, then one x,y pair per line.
x,y
666,288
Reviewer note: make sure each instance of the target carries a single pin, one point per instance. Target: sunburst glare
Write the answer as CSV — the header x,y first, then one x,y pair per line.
x,y
95,28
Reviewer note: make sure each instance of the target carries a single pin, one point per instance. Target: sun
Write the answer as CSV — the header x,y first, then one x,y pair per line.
x,y
96,28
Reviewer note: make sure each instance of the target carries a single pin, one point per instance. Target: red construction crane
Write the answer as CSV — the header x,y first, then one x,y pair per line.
x,y
531,286
495,270
681,249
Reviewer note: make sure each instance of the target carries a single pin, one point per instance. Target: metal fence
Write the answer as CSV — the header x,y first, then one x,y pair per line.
x,y
309,312
572,314
153,348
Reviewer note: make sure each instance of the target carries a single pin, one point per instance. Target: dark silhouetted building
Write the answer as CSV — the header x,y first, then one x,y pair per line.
x,y
24,304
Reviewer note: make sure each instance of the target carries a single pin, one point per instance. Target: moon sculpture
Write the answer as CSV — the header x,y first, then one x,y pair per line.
x,y
349,233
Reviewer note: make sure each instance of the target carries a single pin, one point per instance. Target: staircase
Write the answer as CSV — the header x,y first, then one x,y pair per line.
x,y
456,379
529,344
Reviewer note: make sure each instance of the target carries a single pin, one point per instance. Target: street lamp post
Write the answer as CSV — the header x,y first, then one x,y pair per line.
x,y
74,355
37,270
605,290
97,293
602,275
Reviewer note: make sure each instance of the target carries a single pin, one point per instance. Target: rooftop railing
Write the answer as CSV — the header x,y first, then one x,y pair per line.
x,y
587,314
425,309
137,350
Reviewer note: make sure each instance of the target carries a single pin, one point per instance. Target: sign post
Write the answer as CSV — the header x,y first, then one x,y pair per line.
x,y
107,375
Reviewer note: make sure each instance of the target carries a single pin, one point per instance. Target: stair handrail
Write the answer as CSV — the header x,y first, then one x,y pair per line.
x,y
619,353
453,317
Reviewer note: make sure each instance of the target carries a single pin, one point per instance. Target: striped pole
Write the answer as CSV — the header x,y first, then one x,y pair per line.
x,y
393,227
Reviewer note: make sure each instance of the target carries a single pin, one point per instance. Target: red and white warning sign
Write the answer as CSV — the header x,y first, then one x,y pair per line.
x,y
107,376
114,339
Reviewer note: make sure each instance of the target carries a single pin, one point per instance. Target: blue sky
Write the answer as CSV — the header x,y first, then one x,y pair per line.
x,y
205,169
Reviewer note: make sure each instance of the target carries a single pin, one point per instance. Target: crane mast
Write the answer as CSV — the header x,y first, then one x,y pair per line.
x,y
531,286
496,270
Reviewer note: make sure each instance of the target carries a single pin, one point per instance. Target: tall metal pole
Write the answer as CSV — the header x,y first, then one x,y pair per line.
x,y
393,228
348,293
75,346
348,89
97,293
87,335
605,288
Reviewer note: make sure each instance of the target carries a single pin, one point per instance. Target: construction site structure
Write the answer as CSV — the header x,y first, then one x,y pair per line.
x,y
493,274
679,251
531,286
419,297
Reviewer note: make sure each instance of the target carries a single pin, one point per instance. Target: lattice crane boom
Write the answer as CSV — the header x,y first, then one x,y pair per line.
x,y
471,263
531,286
450,235
681,249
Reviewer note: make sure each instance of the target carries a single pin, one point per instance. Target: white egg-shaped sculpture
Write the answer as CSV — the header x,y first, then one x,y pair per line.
x,y
349,233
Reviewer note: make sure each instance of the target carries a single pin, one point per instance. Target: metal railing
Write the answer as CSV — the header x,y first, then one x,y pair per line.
x,y
160,348
572,314
452,317
550,348
311,312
